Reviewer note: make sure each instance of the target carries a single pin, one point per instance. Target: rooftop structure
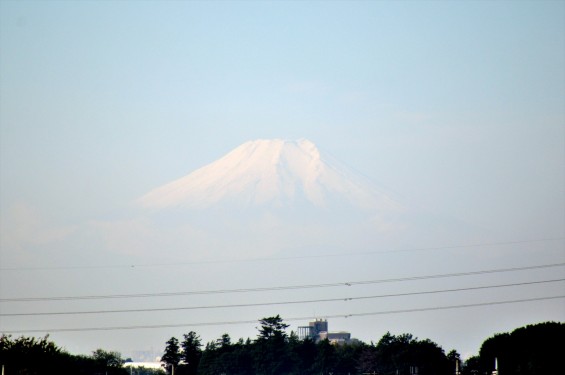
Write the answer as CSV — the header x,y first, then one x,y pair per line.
x,y
318,331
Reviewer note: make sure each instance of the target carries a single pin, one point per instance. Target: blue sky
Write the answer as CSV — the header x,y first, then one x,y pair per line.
x,y
456,107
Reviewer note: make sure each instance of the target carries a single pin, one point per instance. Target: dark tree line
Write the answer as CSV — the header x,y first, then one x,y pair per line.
x,y
274,352
531,350
33,356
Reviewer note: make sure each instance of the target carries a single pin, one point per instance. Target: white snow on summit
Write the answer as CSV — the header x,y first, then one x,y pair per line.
x,y
271,172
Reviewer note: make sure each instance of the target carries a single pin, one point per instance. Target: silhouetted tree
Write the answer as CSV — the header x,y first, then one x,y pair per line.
x,y
216,358
367,361
271,349
471,366
272,328
172,355
325,357
452,358
32,356
531,350
403,354
347,356
303,354
29,355
191,352
108,359
241,358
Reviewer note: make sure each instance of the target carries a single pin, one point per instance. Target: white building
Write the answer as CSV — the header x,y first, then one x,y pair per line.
x,y
318,330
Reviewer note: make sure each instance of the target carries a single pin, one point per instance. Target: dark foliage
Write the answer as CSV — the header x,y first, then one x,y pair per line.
x,y
172,355
531,350
191,354
276,353
32,356
404,354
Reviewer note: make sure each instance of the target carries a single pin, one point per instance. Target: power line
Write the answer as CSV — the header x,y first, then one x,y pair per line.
x,y
278,288
274,259
492,303
294,302
236,322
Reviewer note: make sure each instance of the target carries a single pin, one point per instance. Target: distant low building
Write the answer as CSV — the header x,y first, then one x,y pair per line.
x,y
151,365
318,331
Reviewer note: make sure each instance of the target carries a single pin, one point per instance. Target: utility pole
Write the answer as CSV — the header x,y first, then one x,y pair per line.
x,y
457,367
495,372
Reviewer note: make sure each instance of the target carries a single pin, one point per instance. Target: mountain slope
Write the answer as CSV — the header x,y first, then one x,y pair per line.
x,y
271,173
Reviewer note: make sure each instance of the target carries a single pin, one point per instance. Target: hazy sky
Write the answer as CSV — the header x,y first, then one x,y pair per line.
x,y
454,107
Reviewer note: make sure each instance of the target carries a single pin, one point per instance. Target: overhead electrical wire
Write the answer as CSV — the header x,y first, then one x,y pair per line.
x,y
269,259
294,302
236,322
278,288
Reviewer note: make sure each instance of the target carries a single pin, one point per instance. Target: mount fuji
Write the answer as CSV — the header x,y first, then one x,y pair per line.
x,y
272,173
273,197
279,197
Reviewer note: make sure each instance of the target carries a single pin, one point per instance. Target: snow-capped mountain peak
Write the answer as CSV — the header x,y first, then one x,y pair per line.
x,y
270,172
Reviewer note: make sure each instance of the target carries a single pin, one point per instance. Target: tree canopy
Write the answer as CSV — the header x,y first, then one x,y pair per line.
x,y
275,352
529,350
33,356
